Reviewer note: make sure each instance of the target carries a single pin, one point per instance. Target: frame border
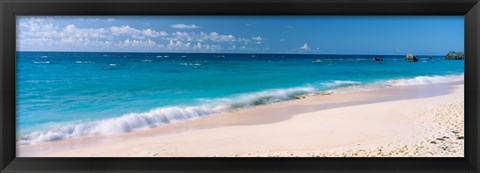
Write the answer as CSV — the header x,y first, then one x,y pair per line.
x,y
10,8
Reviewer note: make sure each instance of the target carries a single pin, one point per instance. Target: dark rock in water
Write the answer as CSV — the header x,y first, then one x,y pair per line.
x,y
452,55
411,58
377,59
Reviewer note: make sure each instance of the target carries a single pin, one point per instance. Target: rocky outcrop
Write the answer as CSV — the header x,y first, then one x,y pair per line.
x,y
411,58
377,59
452,55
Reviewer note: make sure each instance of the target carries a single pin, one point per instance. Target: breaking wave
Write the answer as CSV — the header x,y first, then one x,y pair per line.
x,y
173,114
425,80
163,115
340,83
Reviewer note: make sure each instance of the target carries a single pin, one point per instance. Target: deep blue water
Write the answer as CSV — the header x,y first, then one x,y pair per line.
x,y
98,93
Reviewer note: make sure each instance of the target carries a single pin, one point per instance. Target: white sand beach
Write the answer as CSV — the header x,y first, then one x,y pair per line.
x,y
404,121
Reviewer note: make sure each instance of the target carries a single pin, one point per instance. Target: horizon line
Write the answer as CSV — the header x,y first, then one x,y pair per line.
x,y
232,53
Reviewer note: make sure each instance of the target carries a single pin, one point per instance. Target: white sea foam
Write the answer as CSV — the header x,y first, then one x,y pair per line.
x,y
424,80
83,62
41,62
340,83
419,80
191,64
163,115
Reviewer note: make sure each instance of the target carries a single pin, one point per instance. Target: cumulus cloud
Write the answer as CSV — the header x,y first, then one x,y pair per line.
x,y
179,45
185,26
89,19
47,34
138,43
214,36
73,31
257,39
305,47
136,33
201,37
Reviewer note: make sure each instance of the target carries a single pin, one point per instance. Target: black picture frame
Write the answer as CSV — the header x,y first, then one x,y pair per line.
x,y
11,8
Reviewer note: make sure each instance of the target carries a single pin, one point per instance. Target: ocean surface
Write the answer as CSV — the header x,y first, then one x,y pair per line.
x,y
65,95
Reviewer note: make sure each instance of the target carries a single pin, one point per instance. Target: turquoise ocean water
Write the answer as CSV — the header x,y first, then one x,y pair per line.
x,y
64,95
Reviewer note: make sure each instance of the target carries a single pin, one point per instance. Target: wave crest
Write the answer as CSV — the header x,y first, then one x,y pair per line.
x,y
162,116
425,80
340,83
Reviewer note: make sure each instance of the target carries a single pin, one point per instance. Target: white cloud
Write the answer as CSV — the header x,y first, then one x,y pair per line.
x,y
183,36
89,19
36,27
185,26
47,34
136,33
72,31
125,29
201,37
257,39
43,33
152,33
185,46
305,47
214,36
138,43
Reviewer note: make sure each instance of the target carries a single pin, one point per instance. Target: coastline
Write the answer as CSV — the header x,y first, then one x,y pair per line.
x,y
341,124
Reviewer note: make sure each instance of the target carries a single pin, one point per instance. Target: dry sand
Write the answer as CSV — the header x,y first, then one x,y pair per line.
x,y
418,121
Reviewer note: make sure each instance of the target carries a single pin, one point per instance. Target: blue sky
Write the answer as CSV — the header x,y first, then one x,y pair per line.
x,y
423,35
